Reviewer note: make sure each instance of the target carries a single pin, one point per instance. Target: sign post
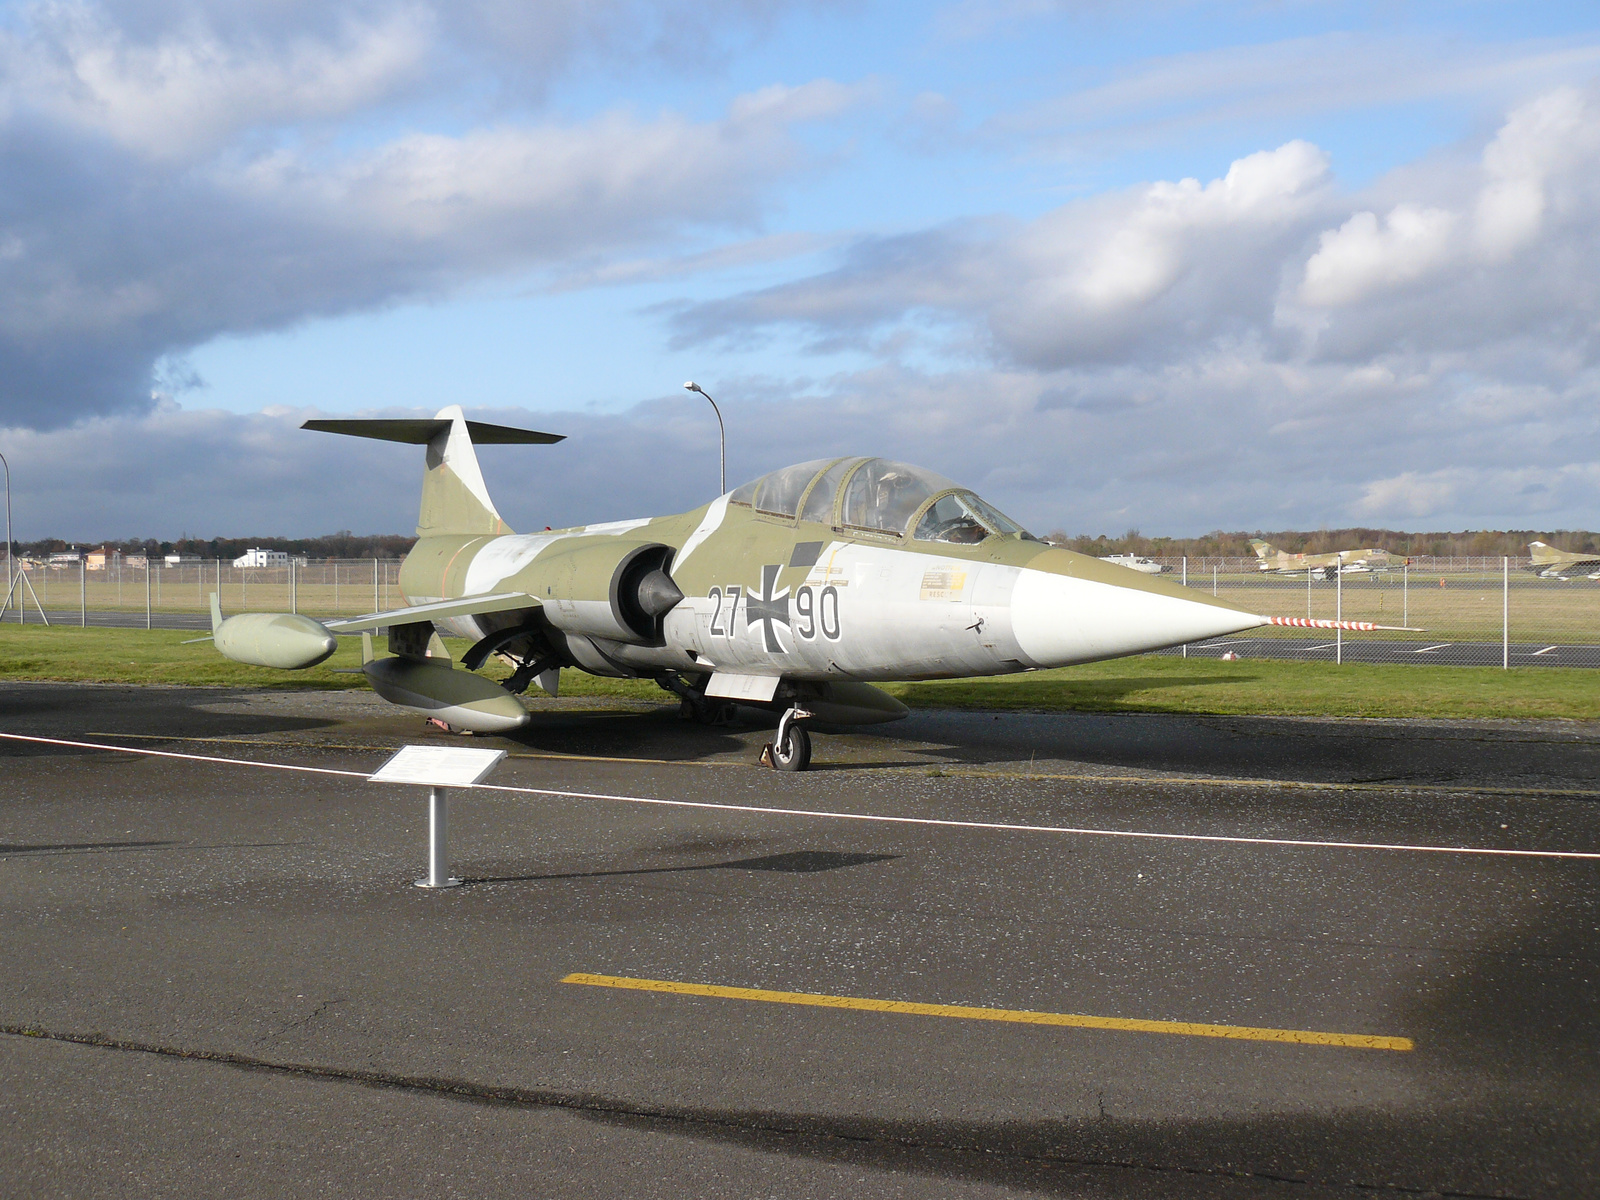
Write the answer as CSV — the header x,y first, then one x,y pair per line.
x,y
436,768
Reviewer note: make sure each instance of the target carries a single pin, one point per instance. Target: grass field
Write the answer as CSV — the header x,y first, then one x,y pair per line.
x,y
1143,684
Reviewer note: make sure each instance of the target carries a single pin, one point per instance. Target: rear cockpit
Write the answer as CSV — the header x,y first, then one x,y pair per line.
x,y
877,496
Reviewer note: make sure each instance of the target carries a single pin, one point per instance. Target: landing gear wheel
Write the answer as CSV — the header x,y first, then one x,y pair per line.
x,y
792,750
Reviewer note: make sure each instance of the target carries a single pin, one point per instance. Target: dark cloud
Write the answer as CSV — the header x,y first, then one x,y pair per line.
x,y
179,172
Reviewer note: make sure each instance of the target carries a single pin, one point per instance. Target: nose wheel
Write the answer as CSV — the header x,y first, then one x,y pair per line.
x,y
791,746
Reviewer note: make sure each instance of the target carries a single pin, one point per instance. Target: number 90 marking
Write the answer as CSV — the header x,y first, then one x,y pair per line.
x,y
814,609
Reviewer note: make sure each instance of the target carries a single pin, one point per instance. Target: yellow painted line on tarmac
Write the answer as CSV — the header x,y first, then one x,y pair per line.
x,y
1302,1037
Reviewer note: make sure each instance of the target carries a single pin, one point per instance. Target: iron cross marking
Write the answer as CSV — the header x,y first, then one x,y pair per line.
x,y
769,608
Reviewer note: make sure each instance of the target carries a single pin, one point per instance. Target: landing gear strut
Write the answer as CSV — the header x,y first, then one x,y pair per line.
x,y
695,705
791,745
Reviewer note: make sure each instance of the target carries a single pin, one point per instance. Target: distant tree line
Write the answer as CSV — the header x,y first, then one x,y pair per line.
x,y
343,544
1217,544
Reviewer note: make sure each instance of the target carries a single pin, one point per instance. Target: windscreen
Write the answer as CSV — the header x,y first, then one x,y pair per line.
x,y
962,517
882,495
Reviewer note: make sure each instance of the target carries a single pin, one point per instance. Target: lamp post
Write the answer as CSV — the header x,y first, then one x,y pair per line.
x,y
722,432
10,576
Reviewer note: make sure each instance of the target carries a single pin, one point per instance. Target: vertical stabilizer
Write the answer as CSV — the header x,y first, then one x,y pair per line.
x,y
454,498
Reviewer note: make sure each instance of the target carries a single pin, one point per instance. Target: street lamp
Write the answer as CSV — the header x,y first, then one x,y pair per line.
x,y
10,577
722,432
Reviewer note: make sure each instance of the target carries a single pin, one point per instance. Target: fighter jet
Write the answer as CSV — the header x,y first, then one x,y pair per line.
x,y
1349,562
793,593
1550,563
1135,562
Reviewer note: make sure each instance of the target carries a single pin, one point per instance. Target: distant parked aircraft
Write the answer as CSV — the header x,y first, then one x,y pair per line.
x,y
1135,563
1329,565
1550,563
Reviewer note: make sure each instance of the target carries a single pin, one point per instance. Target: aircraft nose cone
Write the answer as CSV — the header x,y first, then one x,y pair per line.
x,y
1058,619
658,594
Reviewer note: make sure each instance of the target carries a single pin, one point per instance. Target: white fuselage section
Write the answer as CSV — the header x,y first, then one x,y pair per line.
x,y
870,612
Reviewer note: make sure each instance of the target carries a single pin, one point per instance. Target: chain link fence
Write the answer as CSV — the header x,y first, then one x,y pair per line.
x,y
130,592
1461,610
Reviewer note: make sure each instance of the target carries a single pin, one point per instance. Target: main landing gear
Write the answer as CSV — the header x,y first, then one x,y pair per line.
x,y
791,745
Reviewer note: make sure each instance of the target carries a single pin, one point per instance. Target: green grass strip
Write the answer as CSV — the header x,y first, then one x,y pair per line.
x,y
1148,684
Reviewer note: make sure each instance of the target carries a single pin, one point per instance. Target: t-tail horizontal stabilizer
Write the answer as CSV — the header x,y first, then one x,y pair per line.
x,y
421,431
454,498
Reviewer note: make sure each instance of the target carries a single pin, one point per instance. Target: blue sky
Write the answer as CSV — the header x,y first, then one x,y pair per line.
x,y
959,233
992,147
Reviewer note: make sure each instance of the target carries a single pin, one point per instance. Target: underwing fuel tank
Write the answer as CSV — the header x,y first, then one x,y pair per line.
x,y
284,640
839,703
458,698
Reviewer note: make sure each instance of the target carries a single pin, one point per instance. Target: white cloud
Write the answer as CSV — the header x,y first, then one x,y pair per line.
x,y
186,91
1169,97
1263,348
1364,254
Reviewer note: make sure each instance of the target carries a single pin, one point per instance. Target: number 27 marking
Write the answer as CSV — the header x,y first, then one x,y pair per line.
x,y
716,595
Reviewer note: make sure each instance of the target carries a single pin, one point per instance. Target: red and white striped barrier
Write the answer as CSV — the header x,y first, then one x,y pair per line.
x,y
1355,626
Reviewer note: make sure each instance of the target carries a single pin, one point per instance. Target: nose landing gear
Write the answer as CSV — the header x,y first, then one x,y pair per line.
x,y
790,749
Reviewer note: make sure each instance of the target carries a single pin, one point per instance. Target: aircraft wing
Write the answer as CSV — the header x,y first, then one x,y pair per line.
x,y
439,610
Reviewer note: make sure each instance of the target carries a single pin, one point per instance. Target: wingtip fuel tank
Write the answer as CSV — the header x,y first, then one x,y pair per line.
x,y
287,641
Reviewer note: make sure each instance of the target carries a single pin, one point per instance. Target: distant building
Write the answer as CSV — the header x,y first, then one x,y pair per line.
x,y
179,560
100,560
262,558
66,558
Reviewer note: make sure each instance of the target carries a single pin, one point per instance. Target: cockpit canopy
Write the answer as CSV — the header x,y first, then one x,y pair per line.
x,y
876,495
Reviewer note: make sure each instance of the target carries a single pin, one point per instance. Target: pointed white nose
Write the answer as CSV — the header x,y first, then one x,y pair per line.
x,y
1058,620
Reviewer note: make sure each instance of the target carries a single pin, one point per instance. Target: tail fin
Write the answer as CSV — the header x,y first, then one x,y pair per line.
x,y
1541,553
1263,549
454,498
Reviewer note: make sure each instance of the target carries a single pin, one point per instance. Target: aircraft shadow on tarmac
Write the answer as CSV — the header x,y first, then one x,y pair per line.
x,y
75,710
1062,694
70,847
795,862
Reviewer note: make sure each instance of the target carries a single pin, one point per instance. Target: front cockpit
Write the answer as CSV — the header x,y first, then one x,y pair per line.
x,y
877,496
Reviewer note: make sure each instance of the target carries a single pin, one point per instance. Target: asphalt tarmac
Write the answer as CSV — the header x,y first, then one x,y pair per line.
x,y
1417,651
220,980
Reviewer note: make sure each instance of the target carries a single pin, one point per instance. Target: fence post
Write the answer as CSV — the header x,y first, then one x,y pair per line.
x,y
1405,592
1505,614
1338,615
1308,593
83,592
294,601
147,589
1213,580
375,607
1186,584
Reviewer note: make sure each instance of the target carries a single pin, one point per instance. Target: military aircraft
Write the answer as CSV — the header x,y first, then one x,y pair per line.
x,y
1349,562
1135,562
1550,563
793,593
